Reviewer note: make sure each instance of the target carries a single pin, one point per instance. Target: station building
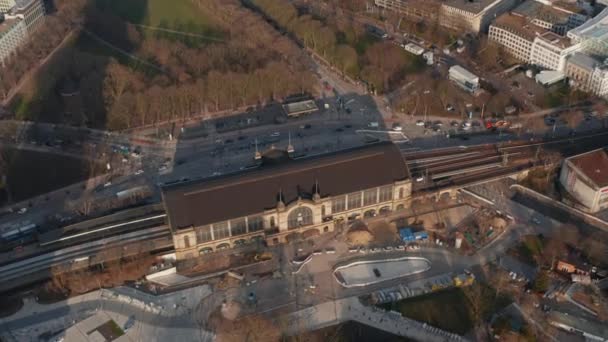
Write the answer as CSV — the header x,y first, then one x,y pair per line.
x,y
284,199
584,178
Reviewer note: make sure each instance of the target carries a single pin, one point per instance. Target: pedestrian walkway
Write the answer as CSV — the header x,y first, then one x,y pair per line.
x,y
169,315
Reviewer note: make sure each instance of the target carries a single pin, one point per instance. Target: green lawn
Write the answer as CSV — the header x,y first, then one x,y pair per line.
x,y
154,12
446,309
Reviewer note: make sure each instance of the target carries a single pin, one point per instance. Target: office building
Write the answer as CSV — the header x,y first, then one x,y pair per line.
x,y
33,12
13,33
551,50
472,15
6,5
21,19
556,17
515,35
584,178
592,35
284,199
530,43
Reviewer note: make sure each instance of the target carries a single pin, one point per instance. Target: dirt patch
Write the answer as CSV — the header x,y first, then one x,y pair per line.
x,y
254,328
359,235
384,233
68,283
219,262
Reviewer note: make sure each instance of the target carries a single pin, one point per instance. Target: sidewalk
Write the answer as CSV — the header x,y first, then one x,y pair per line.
x,y
156,316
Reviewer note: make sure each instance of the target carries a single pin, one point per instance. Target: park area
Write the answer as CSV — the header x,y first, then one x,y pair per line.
x,y
456,310
135,63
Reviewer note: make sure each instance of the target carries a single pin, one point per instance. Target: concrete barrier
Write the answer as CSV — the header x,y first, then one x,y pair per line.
x,y
162,273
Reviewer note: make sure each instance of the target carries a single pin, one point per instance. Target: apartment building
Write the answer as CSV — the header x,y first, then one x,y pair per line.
x,y
284,199
414,9
472,15
13,33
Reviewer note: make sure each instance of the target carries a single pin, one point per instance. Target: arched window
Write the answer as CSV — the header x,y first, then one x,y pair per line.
x,y
186,241
323,211
299,217
400,193
272,221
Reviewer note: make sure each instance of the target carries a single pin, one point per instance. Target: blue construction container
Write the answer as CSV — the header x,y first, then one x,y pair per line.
x,y
406,234
421,236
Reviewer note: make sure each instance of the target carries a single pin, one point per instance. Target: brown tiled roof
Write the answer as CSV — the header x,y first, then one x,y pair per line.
x,y
253,191
594,165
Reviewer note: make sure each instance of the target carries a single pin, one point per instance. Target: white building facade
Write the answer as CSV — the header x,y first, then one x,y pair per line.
x,y
551,51
13,33
513,42
6,5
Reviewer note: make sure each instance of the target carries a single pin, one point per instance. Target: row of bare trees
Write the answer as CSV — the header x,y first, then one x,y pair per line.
x,y
344,44
47,37
129,107
253,64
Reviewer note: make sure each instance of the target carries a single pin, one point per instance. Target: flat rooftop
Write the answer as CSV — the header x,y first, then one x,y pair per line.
x,y
474,6
463,72
569,6
583,61
555,39
594,165
301,107
537,10
519,26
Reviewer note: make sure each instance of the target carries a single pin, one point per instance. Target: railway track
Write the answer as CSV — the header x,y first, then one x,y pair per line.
x,y
69,255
